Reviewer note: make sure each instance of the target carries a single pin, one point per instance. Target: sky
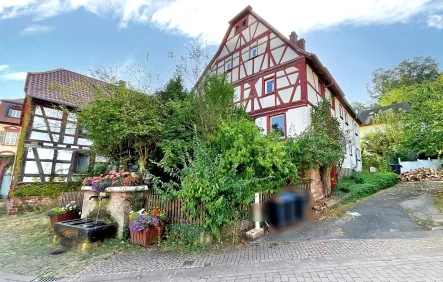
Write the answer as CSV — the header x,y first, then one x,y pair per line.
x,y
351,38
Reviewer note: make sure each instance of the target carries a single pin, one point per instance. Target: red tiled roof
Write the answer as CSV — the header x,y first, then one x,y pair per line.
x,y
62,86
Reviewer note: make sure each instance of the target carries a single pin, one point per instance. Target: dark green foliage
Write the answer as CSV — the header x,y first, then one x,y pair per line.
x,y
48,189
187,237
225,172
363,184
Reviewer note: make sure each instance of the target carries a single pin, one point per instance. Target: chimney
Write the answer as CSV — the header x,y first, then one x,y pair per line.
x,y
293,37
301,43
122,83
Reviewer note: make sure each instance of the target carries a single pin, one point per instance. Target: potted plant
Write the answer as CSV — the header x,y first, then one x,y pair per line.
x,y
69,212
161,215
143,228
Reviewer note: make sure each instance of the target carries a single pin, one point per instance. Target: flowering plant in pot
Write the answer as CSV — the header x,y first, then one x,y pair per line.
x,y
69,212
145,228
112,179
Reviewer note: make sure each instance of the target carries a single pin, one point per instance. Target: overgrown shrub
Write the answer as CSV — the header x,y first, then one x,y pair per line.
x,y
187,237
46,189
363,184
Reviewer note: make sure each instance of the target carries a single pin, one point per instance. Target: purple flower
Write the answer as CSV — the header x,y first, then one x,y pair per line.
x,y
142,222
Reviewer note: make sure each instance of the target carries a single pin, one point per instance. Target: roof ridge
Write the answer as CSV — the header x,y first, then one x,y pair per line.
x,y
76,73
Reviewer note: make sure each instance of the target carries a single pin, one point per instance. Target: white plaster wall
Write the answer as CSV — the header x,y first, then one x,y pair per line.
x,y
407,166
297,120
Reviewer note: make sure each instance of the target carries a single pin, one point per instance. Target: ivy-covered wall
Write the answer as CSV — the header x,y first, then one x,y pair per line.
x,y
26,115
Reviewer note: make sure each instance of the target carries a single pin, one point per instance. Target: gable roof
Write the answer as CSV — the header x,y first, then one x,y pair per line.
x,y
315,63
13,101
366,116
62,86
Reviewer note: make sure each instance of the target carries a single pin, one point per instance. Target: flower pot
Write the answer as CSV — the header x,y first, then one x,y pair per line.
x,y
63,217
147,237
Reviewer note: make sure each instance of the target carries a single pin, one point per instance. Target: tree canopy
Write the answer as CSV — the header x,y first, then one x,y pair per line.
x,y
409,72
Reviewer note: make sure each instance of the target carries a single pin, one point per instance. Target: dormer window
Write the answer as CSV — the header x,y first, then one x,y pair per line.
x,y
14,113
228,66
253,52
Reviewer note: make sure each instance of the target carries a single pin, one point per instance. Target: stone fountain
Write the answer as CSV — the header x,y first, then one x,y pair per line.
x,y
104,215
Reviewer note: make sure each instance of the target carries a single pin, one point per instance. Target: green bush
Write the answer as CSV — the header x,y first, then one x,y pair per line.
x,y
46,189
187,237
363,184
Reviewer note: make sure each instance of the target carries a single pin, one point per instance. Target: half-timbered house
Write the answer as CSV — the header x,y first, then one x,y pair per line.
x,y
52,146
278,82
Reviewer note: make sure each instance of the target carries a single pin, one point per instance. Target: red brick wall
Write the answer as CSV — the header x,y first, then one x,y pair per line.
x,y
19,204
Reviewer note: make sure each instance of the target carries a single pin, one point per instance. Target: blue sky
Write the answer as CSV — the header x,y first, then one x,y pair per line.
x,y
352,38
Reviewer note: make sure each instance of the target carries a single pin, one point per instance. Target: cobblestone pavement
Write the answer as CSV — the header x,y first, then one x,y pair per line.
x,y
336,260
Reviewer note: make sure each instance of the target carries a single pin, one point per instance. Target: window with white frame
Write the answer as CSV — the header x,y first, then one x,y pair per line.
x,y
277,124
228,65
340,108
350,149
253,52
11,138
355,128
357,154
269,86
346,117
14,113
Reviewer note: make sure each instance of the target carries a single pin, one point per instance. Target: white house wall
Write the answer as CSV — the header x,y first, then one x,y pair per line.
x,y
297,120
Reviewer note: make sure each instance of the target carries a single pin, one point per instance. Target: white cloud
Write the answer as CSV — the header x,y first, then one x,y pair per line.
x,y
435,21
34,29
14,76
3,67
208,21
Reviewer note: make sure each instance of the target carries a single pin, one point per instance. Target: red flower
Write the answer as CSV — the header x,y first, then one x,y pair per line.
x,y
155,212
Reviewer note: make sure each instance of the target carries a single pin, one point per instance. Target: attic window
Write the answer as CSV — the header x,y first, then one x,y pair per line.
x,y
244,24
237,28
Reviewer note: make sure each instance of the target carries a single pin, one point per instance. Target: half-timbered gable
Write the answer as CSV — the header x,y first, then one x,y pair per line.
x,y
54,146
275,79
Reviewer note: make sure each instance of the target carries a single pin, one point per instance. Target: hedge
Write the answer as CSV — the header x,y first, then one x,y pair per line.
x,y
46,189
363,184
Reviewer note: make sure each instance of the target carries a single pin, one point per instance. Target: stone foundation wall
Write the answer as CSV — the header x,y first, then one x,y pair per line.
x,y
30,203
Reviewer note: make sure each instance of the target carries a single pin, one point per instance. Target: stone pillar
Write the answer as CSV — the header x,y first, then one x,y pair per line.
x,y
316,185
115,204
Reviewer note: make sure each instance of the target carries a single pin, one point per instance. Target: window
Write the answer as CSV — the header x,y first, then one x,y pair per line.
x,y
11,138
346,117
350,149
14,113
237,28
2,136
228,65
355,129
82,162
357,154
253,52
269,86
277,123
244,24
340,108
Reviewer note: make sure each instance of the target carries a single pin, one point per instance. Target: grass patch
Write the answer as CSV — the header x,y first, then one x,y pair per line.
x,y
48,189
363,184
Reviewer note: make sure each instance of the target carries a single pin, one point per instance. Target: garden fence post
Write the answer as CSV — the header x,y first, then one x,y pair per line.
x,y
257,201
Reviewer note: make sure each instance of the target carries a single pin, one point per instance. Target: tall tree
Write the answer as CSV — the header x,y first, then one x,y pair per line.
x,y
411,71
424,125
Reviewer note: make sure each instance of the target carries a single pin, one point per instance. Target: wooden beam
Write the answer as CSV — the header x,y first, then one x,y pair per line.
x,y
39,164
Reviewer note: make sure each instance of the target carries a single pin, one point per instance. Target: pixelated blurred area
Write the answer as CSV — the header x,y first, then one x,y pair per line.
x,y
284,210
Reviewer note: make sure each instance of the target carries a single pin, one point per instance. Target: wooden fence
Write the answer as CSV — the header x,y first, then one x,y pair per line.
x,y
67,197
174,210
264,197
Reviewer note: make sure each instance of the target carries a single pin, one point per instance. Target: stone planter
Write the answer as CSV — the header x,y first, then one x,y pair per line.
x,y
147,237
63,217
